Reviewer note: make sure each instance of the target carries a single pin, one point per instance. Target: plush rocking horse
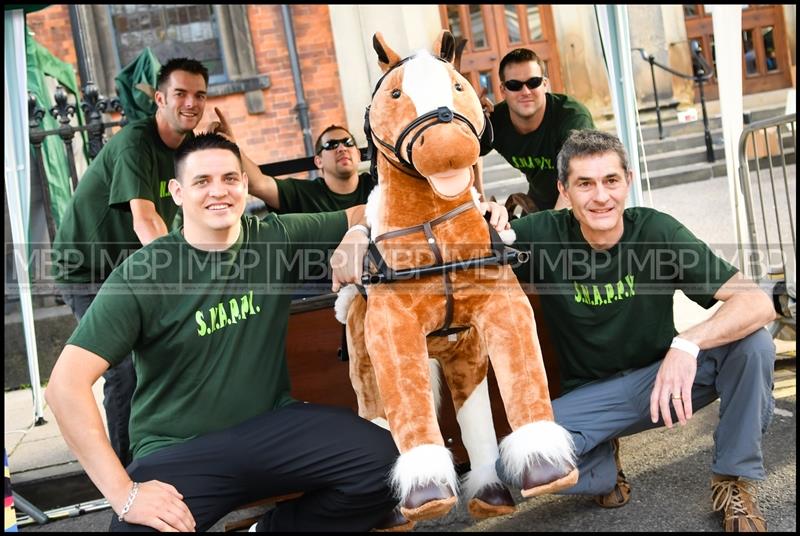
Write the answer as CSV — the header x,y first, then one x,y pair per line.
x,y
437,253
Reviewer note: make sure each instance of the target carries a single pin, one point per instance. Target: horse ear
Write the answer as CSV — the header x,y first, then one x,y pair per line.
x,y
461,44
445,46
387,57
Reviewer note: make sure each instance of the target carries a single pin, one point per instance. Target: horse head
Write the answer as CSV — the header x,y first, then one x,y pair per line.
x,y
425,117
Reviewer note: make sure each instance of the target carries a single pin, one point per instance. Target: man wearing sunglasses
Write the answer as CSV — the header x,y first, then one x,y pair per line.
x,y
531,124
339,188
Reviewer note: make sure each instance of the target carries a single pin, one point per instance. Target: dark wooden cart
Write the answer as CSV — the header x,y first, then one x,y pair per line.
x,y
319,374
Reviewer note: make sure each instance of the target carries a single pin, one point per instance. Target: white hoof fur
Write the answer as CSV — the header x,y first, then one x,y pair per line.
x,y
421,466
542,441
477,479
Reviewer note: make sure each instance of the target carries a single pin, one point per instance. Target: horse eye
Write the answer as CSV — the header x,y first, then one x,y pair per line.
x,y
396,94
459,87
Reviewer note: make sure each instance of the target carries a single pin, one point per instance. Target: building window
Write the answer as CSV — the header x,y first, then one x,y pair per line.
x,y
177,30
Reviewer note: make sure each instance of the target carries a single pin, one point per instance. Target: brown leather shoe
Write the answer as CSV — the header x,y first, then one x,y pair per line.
x,y
736,498
621,494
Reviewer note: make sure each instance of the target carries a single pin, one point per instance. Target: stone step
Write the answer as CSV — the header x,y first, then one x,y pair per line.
x,y
683,142
672,128
693,172
682,157
701,171
52,325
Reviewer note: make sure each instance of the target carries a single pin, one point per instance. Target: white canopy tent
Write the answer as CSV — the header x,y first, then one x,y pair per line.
x,y
17,183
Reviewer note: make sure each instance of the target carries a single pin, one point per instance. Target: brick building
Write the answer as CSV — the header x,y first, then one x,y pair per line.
x,y
249,52
268,130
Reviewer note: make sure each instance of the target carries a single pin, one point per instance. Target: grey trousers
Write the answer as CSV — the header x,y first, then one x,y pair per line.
x,y
120,382
740,374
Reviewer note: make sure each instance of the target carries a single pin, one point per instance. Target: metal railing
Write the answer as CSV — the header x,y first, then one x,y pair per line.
x,y
703,72
94,105
767,150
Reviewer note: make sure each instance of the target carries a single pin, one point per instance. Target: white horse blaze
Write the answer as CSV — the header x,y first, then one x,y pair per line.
x,y
426,81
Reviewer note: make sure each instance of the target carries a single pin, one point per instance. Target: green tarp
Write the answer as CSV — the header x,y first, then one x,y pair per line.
x,y
41,62
143,70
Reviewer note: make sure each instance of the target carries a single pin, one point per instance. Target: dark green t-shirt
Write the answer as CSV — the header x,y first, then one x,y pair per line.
x,y
300,195
96,233
207,329
612,310
535,153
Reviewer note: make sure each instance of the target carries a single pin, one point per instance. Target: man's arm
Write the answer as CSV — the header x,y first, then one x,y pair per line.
x,y
147,223
263,186
69,395
260,185
347,260
746,308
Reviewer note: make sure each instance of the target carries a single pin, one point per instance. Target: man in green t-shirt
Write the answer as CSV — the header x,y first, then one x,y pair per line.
x,y
341,186
531,124
606,276
205,308
122,203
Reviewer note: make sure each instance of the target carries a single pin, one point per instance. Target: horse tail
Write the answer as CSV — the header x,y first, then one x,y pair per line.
x,y
343,301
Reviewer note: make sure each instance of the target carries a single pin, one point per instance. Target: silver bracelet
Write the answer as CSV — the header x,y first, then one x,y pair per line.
x,y
129,503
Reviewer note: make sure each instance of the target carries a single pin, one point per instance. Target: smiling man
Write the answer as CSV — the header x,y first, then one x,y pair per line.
x,y
606,276
205,308
339,187
121,203
531,124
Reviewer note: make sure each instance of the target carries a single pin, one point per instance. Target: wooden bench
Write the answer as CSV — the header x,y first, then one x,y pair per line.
x,y
247,514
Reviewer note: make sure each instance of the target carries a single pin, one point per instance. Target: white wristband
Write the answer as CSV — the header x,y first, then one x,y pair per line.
x,y
359,227
687,346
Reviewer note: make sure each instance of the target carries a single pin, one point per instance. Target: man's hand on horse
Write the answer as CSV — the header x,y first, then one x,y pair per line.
x,y
498,215
348,259
221,127
488,105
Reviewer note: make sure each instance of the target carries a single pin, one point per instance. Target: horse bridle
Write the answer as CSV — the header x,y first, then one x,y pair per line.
x,y
501,254
443,114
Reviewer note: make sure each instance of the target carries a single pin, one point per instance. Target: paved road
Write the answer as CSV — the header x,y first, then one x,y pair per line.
x,y
669,473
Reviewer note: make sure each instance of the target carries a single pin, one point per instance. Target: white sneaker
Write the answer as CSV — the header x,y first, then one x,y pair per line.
x,y
253,527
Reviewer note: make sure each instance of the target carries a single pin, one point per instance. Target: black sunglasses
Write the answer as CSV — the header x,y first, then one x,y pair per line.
x,y
330,145
516,85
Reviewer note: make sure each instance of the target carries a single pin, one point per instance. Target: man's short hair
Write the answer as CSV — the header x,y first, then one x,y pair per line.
x,y
179,64
208,140
318,143
582,143
520,55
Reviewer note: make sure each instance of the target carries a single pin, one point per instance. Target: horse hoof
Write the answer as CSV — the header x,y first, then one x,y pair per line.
x,y
491,501
394,521
542,478
428,502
